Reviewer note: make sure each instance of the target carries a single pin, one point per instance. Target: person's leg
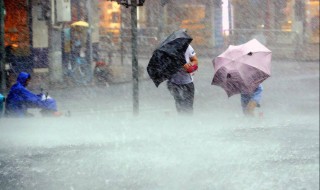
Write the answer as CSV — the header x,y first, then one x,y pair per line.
x,y
244,102
254,101
248,105
176,91
49,108
187,98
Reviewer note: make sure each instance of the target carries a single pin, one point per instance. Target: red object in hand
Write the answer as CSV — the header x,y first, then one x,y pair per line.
x,y
191,68
100,63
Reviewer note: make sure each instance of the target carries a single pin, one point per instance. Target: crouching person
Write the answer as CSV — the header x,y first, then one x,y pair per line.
x,y
20,99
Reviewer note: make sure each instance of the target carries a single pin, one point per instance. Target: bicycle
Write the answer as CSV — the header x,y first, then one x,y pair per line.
x,y
81,71
103,74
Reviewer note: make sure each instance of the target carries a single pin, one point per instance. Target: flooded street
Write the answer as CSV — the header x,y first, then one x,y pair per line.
x,y
103,146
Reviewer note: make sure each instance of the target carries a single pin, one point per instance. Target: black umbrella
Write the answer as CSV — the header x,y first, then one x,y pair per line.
x,y
168,57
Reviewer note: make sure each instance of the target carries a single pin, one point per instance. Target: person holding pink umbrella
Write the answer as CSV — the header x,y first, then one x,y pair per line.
x,y
241,69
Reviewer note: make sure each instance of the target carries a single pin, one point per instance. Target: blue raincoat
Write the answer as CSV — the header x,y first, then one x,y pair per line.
x,y
255,96
20,99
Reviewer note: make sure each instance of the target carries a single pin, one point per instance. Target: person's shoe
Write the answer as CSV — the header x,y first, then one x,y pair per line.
x,y
57,114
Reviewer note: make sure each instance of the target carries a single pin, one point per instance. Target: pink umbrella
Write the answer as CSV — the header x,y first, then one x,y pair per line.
x,y
240,69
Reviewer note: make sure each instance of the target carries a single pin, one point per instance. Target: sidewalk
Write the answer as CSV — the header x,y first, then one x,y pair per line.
x,y
122,73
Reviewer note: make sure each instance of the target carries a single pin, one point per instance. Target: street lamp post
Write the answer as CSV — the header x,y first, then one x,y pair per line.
x,y
135,66
135,70
89,9
2,51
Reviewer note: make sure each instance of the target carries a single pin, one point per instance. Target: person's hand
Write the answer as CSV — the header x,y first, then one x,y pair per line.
x,y
189,67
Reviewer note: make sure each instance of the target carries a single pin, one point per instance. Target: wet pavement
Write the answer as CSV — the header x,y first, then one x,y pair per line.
x,y
103,146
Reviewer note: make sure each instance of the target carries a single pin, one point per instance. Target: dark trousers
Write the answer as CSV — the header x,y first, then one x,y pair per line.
x,y
183,95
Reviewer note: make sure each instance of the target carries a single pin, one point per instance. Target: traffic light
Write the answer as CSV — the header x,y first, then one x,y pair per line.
x,y
140,2
124,3
164,2
128,3
121,2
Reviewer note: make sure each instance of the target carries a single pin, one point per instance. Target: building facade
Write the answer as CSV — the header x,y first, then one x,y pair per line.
x,y
201,18
41,35
290,27
18,32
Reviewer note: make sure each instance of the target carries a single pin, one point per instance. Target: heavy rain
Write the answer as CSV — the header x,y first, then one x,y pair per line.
x,y
113,128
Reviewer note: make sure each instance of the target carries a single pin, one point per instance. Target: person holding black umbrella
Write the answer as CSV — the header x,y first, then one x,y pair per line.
x,y
181,84
175,60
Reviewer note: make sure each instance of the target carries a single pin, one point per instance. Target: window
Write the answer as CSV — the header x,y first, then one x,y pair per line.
x,y
17,32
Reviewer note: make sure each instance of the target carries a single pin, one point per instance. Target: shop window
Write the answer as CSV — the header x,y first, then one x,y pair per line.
x,y
285,15
194,23
110,18
17,32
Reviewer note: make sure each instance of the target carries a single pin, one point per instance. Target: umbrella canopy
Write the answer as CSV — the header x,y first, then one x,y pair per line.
x,y
168,57
240,69
80,23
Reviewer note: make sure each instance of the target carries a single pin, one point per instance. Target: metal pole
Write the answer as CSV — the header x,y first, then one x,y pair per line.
x,y
89,9
2,51
135,71
121,36
50,51
160,22
268,17
230,17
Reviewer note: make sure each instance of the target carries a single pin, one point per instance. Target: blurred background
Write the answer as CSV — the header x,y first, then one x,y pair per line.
x,y
37,36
